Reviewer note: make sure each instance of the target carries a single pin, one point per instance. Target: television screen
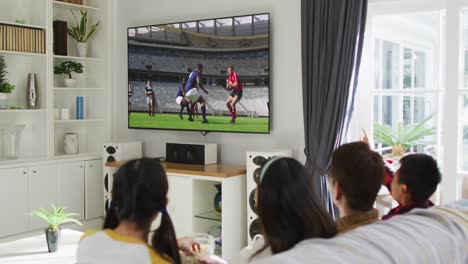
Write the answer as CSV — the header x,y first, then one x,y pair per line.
x,y
204,75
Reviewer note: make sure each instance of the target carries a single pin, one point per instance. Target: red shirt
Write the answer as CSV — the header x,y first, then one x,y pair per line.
x,y
233,77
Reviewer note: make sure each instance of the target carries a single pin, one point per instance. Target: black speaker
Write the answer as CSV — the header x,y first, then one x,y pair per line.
x,y
201,154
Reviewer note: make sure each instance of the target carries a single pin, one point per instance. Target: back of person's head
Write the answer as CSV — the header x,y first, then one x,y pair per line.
x,y
420,174
200,66
139,193
288,207
360,173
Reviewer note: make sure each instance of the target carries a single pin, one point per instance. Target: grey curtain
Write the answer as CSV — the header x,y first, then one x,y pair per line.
x,y
332,40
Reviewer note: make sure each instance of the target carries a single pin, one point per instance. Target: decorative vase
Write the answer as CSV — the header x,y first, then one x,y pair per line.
x,y
53,239
82,49
32,91
217,199
3,100
70,83
12,139
70,143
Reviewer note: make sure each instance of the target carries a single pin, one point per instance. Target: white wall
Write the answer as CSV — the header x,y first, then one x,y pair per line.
x,y
286,95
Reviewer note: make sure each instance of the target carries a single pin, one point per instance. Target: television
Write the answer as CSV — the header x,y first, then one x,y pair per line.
x,y
201,75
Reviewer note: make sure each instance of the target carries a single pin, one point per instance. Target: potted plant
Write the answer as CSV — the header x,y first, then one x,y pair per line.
x,y
68,67
81,33
5,86
403,137
54,220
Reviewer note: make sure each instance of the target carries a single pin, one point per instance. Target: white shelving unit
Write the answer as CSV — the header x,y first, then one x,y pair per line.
x,y
43,174
42,138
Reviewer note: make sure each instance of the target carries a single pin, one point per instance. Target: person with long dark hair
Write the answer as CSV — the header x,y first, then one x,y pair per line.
x,y
139,195
288,209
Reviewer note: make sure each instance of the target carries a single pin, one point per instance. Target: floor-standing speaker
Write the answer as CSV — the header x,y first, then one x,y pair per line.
x,y
115,152
255,160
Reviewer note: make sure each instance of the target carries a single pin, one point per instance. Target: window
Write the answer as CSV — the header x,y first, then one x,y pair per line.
x,y
401,97
224,27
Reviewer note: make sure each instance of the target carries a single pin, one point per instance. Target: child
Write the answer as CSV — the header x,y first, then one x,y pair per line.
x,y
138,196
413,183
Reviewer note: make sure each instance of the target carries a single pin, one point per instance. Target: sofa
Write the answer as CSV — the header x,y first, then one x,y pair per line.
x,y
423,236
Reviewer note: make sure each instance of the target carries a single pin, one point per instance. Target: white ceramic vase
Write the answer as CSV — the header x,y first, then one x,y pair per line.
x,y
70,83
3,100
71,143
82,49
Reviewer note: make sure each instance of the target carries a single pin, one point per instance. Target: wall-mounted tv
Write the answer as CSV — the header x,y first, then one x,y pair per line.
x,y
202,75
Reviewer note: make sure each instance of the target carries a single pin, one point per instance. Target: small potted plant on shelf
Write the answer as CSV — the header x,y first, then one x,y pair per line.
x,y
68,67
54,220
5,87
81,34
403,137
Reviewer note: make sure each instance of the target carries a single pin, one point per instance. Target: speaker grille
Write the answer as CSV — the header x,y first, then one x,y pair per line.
x,y
252,202
111,150
254,228
110,159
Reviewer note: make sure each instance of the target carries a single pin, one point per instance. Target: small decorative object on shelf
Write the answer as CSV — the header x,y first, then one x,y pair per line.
x,y
67,68
12,138
217,199
54,220
71,143
5,87
80,33
20,11
60,37
80,107
32,91
64,114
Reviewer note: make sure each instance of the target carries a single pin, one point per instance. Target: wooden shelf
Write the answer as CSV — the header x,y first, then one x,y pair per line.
x,y
21,25
59,4
23,53
76,58
77,121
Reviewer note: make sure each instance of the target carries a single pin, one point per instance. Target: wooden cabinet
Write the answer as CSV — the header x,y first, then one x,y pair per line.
x,y
14,201
94,186
43,190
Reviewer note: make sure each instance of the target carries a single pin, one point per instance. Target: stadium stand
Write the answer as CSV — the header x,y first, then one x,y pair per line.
x,y
253,103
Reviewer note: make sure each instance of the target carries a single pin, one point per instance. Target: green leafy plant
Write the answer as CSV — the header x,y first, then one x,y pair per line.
x,y
5,86
403,137
56,217
80,31
68,67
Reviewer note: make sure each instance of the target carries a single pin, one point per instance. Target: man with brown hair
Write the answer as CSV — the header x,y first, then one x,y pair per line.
x,y
356,176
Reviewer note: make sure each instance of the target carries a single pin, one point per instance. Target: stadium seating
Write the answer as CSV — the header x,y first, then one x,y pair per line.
x,y
253,103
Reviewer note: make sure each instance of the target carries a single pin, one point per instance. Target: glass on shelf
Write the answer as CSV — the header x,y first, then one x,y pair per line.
x,y
11,137
211,215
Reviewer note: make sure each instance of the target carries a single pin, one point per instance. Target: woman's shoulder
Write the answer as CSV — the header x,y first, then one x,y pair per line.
x,y
89,233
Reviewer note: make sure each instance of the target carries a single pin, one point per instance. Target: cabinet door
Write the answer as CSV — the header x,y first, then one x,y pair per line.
x,y
14,201
180,204
94,188
72,187
43,190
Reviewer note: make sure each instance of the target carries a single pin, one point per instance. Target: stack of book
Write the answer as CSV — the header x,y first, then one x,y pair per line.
x,y
22,39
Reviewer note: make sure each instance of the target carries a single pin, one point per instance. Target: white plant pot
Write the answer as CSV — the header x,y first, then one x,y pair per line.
x,y
82,49
3,100
70,83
